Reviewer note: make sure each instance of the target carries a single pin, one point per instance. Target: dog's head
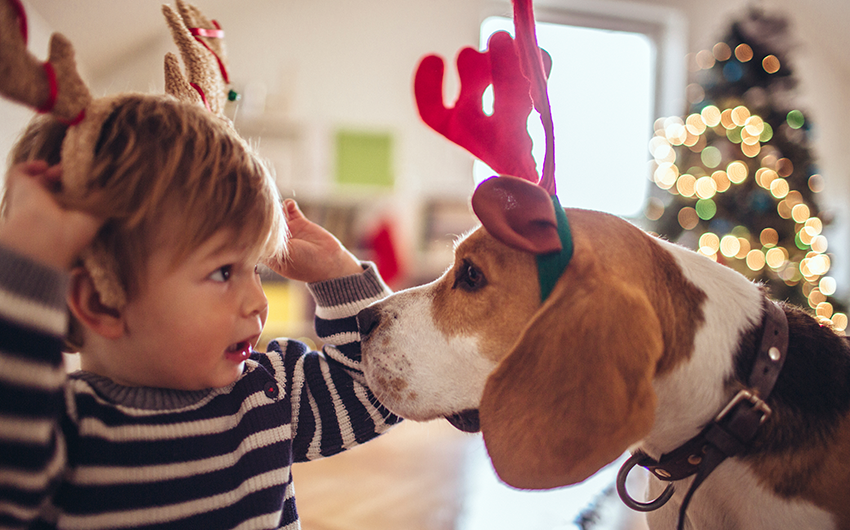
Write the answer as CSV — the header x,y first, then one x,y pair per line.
x,y
562,387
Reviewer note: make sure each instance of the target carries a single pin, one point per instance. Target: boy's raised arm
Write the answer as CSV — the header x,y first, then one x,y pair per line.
x,y
39,240
333,409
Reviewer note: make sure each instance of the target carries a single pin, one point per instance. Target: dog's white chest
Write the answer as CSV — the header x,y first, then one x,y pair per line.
x,y
732,499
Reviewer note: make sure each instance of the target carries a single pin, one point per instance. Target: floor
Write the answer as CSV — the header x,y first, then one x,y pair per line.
x,y
429,476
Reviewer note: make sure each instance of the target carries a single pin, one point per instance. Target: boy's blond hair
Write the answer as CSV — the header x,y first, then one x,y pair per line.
x,y
155,157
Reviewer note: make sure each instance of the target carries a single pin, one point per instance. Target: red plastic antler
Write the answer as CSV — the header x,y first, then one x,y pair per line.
x,y
513,207
533,61
500,140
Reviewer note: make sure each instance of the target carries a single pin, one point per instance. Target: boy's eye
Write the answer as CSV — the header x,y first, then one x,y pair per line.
x,y
222,274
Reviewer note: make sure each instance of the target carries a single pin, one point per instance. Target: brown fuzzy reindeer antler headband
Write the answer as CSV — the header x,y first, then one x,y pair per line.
x,y
55,87
201,43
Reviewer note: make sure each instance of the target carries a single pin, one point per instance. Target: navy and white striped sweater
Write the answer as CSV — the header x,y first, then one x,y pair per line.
x,y
80,451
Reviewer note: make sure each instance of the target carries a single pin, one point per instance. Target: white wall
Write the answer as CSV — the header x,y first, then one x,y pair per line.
x,y
340,63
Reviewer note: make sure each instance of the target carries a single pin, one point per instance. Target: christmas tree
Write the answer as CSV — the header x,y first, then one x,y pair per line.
x,y
739,176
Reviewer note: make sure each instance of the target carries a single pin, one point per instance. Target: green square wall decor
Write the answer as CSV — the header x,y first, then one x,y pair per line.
x,y
364,158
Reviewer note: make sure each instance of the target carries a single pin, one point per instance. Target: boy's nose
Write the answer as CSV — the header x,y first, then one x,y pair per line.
x,y
256,301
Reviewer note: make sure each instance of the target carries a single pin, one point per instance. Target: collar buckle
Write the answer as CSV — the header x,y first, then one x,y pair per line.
x,y
751,398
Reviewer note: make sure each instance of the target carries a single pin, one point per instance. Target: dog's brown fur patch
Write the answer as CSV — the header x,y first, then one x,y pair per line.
x,y
497,313
638,259
802,450
816,471
831,484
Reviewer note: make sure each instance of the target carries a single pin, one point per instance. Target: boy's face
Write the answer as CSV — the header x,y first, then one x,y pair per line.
x,y
194,322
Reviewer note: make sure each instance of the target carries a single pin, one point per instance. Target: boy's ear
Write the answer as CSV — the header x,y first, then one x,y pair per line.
x,y
84,302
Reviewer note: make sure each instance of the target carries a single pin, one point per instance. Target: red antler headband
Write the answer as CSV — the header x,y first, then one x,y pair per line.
x,y
55,87
518,208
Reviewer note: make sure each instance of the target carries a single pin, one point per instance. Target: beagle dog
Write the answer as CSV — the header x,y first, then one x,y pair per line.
x,y
641,345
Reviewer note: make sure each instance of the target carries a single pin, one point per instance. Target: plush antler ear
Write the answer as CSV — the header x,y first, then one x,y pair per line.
x,y
201,43
576,390
54,86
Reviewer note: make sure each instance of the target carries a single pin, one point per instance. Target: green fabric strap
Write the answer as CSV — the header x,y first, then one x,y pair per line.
x,y
551,266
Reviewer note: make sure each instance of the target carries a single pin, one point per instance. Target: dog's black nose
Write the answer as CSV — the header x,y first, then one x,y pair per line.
x,y
367,320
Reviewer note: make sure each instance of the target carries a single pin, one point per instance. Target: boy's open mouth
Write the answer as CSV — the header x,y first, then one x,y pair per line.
x,y
239,352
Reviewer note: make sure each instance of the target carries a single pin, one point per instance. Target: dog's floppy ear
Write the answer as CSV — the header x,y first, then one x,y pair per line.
x,y
576,390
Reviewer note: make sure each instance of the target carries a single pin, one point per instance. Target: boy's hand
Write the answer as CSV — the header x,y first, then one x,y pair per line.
x,y
314,253
36,225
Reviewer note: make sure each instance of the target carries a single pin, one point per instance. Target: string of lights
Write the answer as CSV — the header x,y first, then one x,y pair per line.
x,y
740,185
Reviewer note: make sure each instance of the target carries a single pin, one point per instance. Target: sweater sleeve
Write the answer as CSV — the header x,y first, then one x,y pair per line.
x,y
332,408
33,319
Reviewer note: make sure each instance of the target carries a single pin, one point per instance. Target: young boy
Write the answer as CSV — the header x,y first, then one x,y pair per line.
x,y
174,420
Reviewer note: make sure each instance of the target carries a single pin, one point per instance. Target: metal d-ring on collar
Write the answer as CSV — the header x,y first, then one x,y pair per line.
x,y
728,434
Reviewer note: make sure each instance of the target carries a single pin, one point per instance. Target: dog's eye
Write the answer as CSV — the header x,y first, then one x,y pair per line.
x,y
469,277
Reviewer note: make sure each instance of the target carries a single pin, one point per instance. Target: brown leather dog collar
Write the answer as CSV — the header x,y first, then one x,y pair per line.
x,y
729,433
